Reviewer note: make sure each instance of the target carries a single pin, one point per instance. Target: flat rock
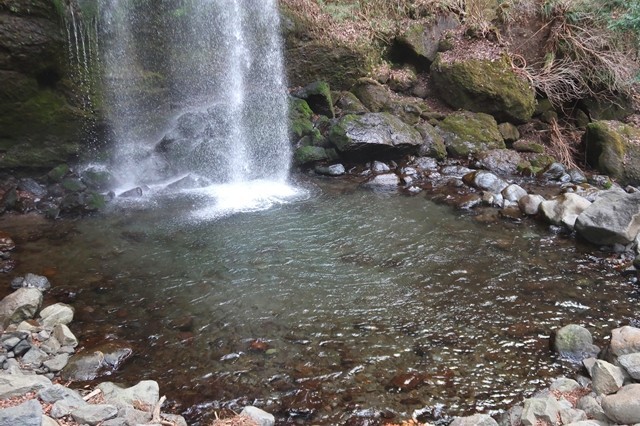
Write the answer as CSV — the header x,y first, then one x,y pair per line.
x,y
19,384
93,414
58,392
631,363
624,406
625,340
146,392
387,180
58,313
475,420
28,413
607,378
20,305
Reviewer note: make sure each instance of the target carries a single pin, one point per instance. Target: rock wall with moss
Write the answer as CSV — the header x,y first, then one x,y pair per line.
x,y
39,124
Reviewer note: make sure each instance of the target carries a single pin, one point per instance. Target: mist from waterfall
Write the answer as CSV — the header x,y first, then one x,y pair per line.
x,y
196,88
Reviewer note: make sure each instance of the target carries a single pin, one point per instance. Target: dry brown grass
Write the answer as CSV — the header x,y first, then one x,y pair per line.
x,y
563,143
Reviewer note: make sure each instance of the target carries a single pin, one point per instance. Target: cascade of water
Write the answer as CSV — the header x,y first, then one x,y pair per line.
x,y
204,96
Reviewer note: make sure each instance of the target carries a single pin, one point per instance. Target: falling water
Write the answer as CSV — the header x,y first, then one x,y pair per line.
x,y
197,89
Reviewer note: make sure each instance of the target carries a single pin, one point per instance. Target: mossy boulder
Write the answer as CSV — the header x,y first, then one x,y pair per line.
x,y
318,97
419,42
374,134
432,142
613,148
350,104
483,85
378,98
466,134
310,154
300,116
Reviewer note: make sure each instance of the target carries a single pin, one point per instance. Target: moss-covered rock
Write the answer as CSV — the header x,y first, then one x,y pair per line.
x,y
309,154
509,132
483,85
613,148
525,145
300,115
318,97
421,40
466,133
350,104
378,98
373,134
432,142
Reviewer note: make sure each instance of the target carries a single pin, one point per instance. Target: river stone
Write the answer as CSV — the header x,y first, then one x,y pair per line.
x,y
571,415
20,305
485,181
130,416
63,335
373,134
607,378
93,414
59,313
261,417
530,204
19,384
387,180
28,413
56,363
540,409
58,392
475,420
513,192
500,161
613,218
631,363
564,385
31,281
34,357
146,392
564,209
625,340
332,170
103,359
592,408
575,343
624,406
379,167
589,363
51,346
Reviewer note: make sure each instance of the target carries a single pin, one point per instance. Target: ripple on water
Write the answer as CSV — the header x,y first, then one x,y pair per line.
x,y
350,291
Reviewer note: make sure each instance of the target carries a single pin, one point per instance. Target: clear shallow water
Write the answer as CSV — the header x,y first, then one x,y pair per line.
x,y
357,292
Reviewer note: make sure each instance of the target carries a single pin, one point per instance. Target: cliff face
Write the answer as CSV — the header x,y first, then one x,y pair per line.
x,y
39,125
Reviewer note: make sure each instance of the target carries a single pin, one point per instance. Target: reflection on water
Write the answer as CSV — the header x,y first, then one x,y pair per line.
x,y
346,302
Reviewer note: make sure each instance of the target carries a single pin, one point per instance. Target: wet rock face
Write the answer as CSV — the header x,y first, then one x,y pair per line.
x,y
40,125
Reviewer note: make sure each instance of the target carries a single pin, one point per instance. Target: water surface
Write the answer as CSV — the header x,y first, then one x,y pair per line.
x,y
356,294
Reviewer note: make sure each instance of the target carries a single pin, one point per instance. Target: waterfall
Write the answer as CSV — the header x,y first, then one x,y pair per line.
x,y
197,88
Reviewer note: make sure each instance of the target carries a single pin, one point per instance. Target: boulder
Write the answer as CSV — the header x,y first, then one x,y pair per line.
x,y
564,209
28,413
607,378
20,305
421,40
613,218
101,360
309,154
624,406
612,148
373,135
625,340
378,98
300,116
631,364
540,409
509,132
350,104
94,414
318,97
574,342
466,134
483,85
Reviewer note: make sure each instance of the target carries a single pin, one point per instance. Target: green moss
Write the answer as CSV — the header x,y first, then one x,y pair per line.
x,y
433,145
318,97
338,133
467,133
540,161
58,173
612,148
300,114
484,86
309,154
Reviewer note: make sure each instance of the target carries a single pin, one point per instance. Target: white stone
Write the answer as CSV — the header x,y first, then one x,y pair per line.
x,y
58,313
261,417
